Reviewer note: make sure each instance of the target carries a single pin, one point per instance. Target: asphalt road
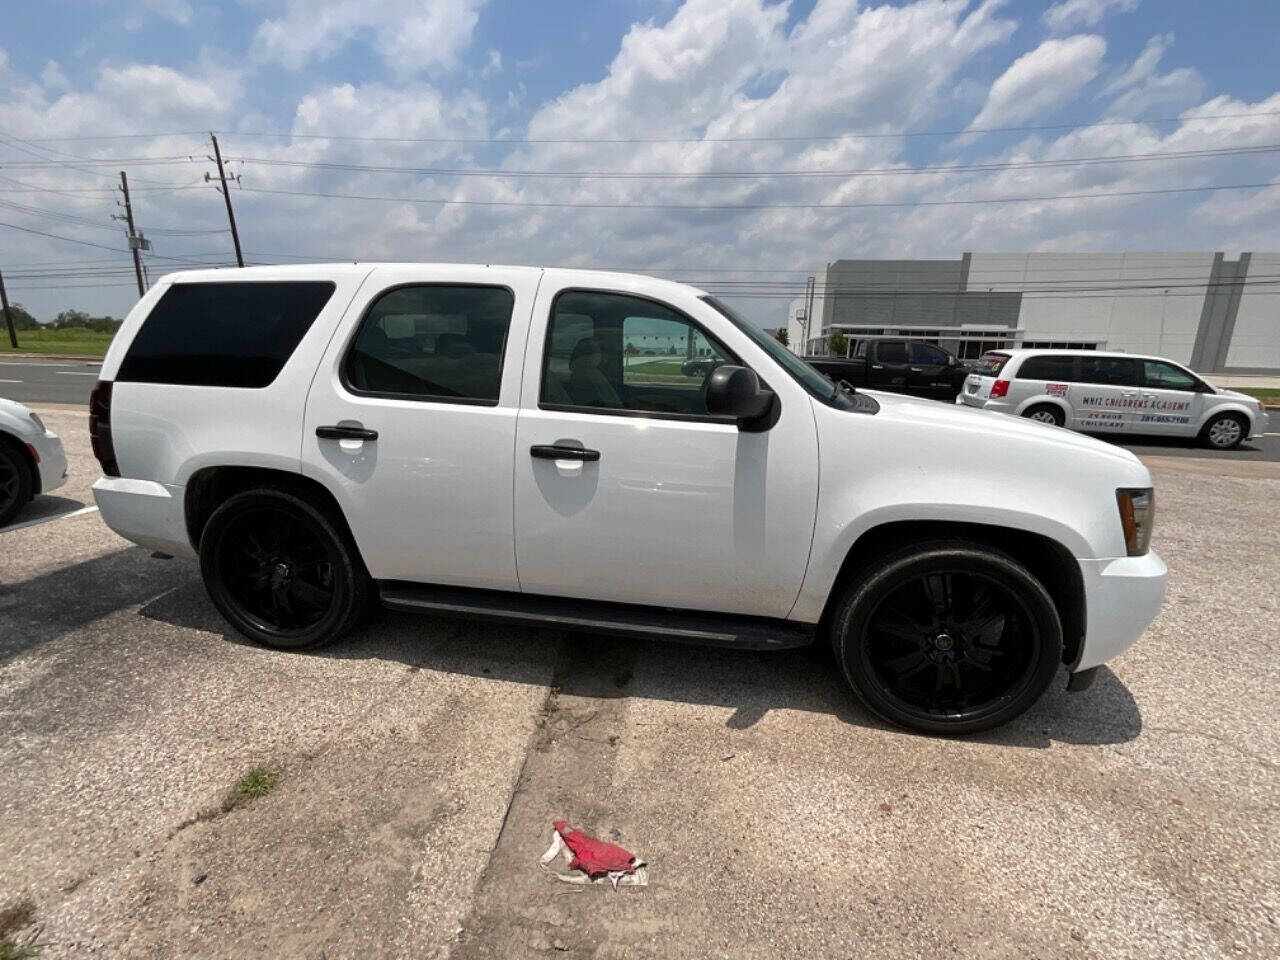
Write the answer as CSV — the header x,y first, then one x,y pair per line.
x,y
47,381
424,761
70,381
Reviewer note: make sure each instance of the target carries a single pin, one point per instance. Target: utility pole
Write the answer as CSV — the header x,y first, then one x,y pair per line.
x,y
231,216
8,317
134,241
808,314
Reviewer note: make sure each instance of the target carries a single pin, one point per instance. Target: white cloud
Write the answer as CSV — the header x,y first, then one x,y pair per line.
x,y
411,36
52,77
1073,13
493,65
1050,75
1144,65
175,11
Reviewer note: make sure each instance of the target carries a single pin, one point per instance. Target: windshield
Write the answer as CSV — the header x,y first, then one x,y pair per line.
x,y
809,378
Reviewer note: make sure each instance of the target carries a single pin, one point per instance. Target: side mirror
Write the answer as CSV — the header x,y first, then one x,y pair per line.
x,y
736,392
951,361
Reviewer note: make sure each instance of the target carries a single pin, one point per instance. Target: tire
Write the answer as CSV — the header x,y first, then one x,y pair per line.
x,y
948,637
1224,432
15,481
282,569
1046,413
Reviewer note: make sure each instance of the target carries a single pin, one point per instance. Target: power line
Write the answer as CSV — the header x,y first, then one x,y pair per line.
x,y
1101,195
764,174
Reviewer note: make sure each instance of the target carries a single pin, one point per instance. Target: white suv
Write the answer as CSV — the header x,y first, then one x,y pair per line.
x,y
533,445
1112,393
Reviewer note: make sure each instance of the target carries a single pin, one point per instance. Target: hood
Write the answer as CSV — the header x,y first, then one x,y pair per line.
x,y
987,426
1237,395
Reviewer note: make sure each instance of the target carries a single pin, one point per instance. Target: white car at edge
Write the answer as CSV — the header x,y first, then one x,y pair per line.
x,y
531,446
32,461
1112,393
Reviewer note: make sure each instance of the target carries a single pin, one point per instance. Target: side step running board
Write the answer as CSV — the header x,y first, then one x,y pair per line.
x,y
652,623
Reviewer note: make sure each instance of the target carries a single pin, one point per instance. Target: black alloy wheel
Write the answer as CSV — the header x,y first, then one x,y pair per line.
x,y
280,570
948,637
15,482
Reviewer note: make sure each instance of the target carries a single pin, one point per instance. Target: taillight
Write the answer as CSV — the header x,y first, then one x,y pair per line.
x,y
999,389
100,428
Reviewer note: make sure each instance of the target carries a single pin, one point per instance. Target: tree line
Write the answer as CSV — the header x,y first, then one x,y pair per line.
x,y
22,320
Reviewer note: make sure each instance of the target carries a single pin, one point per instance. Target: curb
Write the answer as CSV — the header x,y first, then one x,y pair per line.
x,y
50,356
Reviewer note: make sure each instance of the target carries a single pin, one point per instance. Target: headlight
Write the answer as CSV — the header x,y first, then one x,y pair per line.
x,y
35,418
1137,514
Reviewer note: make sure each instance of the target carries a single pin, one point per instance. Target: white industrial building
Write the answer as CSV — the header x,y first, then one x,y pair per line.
x,y
1215,314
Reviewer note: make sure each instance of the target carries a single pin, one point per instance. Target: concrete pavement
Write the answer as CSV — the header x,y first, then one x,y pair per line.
x,y
425,759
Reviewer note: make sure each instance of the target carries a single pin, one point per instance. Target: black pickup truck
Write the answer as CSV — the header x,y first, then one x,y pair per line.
x,y
898,366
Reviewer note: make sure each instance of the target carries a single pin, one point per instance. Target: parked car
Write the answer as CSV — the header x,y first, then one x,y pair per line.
x,y
912,367
468,441
31,459
1112,393
699,366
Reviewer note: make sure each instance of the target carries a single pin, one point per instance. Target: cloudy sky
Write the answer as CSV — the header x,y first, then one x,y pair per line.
x,y
465,130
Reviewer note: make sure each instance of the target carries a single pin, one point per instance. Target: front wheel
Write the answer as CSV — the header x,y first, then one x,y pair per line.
x,y
15,482
947,637
1224,432
281,570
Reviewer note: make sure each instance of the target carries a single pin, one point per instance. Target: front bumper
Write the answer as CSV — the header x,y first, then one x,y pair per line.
x,y
1122,597
150,514
53,461
1261,423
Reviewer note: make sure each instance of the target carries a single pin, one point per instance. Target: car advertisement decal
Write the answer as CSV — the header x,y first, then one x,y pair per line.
x,y
1162,418
1056,389
1134,403
1101,420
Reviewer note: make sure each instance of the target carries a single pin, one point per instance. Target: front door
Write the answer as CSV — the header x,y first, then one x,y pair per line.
x,y
411,421
626,489
1172,401
929,372
1107,399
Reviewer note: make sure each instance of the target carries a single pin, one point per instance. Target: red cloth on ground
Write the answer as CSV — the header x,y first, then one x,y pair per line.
x,y
594,857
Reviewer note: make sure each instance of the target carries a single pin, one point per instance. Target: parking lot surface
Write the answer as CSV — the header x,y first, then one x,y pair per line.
x,y
423,761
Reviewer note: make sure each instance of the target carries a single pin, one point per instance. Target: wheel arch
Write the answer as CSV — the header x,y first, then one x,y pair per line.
x,y
1047,559
23,451
210,486
1044,399
1231,407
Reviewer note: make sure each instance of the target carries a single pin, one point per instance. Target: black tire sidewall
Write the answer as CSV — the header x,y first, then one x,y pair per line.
x,y
350,578
25,485
862,597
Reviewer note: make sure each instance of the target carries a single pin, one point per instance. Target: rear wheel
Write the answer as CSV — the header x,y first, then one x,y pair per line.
x,y
947,637
281,570
1045,413
1224,432
15,482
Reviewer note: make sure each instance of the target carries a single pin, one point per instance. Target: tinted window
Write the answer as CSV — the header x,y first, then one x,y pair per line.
x,y
1110,371
433,341
223,334
860,351
1055,368
614,352
928,353
1165,376
990,364
812,381
891,351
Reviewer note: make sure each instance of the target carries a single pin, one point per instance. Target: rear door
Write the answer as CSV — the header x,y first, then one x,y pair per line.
x,y
929,372
411,421
889,366
1107,399
1172,400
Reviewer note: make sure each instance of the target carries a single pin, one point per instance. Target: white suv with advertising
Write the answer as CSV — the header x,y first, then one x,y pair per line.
x,y
534,446
1102,392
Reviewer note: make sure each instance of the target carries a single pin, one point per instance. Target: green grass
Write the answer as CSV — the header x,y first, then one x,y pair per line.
x,y
73,340
12,919
1265,394
258,782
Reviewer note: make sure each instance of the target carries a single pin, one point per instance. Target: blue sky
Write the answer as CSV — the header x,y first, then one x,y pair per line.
x,y
740,83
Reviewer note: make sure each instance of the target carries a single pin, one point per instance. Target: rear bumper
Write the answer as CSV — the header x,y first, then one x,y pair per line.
x,y
148,513
1122,597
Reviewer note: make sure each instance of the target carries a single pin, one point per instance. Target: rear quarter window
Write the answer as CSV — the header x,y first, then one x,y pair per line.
x,y
1054,368
223,334
990,364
